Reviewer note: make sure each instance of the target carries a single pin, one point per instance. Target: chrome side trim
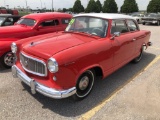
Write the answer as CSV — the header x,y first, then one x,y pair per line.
x,y
35,86
35,73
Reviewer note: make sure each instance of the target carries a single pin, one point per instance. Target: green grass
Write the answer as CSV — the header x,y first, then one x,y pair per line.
x,y
23,13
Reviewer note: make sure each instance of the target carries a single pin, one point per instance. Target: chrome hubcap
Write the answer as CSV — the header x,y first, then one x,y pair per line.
x,y
9,59
84,83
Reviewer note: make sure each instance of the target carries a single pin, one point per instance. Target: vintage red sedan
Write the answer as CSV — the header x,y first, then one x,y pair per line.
x,y
66,63
27,26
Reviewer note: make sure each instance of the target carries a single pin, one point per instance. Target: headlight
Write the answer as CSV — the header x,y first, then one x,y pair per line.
x,y
14,47
52,65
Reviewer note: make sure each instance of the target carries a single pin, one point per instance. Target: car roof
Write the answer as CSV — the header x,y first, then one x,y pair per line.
x,y
9,15
106,15
46,15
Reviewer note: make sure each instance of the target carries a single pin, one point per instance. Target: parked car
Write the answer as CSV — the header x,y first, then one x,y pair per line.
x,y
67,63
138,17
27,26
8,19
151,18
9,11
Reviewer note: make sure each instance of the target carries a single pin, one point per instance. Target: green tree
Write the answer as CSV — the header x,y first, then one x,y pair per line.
x,y
129,6
153,6
91,7
78,7
99,6
2,8
64,9
70,9
110,6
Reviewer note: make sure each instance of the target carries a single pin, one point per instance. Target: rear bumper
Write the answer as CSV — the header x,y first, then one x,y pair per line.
x,y
35,86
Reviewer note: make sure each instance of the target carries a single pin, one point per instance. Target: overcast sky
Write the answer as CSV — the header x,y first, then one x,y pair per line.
x,y
142,4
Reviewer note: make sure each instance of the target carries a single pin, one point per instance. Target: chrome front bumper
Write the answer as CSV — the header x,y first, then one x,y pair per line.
x,y
35,86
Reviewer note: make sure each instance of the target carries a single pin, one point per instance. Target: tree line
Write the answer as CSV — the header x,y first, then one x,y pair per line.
x,y
110,6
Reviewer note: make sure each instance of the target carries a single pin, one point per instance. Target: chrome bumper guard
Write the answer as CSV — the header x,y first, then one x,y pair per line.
x,y
35,86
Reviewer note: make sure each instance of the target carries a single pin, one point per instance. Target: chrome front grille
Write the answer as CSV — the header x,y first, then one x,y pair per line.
x,y
33,65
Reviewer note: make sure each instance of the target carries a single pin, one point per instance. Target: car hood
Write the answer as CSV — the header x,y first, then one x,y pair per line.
x,y
17,29
46,48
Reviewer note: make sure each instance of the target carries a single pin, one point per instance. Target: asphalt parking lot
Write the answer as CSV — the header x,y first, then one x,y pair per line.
x,y
131,93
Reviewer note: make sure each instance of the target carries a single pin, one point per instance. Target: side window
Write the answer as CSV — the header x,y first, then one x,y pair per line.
x,y
132,25
119,26
49,23
65,20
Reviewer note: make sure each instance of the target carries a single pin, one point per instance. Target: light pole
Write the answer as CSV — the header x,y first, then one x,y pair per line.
x,y
52,5
41,4
4,3
7,6
26,6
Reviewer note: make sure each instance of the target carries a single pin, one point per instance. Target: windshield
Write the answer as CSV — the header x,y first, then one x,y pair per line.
x,y
26,21
1,20
88,25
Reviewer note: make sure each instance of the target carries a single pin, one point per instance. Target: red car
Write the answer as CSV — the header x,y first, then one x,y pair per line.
x,y
27,26
66,64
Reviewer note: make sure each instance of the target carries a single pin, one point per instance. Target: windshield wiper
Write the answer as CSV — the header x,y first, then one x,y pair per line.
x,y
82,32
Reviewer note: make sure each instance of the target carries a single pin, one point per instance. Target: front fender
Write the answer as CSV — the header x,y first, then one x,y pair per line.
x,y
5,46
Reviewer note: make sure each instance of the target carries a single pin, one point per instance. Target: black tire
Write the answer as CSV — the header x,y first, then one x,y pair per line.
x,y
7,60
84,85
143,23
139,57
158,23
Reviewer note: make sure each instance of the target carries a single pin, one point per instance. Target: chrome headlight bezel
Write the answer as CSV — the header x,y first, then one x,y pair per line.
x,y
14,47
52,65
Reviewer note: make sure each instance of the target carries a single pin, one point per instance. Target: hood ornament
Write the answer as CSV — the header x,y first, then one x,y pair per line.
x,y
35,43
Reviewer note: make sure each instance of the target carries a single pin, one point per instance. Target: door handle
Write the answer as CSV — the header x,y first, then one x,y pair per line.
x,y
133,39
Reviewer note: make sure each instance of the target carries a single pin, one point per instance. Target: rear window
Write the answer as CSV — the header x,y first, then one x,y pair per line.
x,y
119,26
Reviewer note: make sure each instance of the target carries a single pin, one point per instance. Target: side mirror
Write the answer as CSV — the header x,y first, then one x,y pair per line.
x,y
116,34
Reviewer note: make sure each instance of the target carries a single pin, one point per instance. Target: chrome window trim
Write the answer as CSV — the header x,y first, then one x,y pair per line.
x,y
35,73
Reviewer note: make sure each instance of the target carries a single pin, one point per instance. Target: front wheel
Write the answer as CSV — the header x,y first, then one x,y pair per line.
x,y
84,85
7,60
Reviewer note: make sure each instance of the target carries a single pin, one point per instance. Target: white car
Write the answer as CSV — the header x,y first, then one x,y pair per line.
x,y
138,17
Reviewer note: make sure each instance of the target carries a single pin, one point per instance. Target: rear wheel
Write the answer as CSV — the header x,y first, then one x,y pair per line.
x,y
84,85
158,23
144,23
7,60
139,57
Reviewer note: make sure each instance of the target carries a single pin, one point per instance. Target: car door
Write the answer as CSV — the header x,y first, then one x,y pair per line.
x,y
48,26
137,36
123,45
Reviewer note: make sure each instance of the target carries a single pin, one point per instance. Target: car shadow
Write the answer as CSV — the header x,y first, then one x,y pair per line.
x,y
147,24
3,70
103,89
